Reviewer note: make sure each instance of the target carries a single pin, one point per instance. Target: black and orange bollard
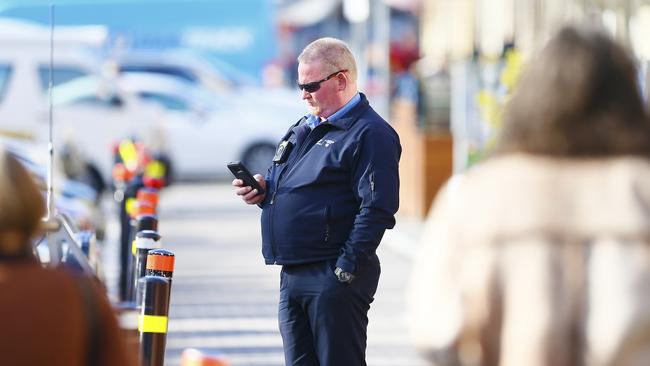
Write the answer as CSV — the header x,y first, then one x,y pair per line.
x,y
150,195
153,319
143,222
145,241
155,173
160,262
127,213
147,222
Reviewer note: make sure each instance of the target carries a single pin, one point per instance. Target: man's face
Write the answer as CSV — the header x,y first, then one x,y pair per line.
x,y
327,99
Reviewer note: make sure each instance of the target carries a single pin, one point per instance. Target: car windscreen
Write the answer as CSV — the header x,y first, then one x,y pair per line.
x,y
60,74
161,69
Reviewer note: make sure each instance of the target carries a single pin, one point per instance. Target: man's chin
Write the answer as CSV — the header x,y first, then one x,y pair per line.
x,y
314,110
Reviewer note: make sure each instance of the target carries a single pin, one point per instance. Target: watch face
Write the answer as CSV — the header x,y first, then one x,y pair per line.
x,y
342,275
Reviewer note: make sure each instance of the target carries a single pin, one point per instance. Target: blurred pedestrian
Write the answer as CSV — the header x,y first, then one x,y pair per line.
x,y
332,191
541,254
47,316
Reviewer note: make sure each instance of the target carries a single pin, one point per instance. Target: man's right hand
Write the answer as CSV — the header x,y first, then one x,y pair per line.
x,y
248,194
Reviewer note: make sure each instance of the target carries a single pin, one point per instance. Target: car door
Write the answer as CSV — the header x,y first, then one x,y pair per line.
x,y
201,142
94,122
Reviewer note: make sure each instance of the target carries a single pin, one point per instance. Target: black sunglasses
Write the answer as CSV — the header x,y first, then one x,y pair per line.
x,y
315,85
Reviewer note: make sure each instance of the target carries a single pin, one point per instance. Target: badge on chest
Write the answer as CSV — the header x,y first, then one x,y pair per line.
x,y
283,151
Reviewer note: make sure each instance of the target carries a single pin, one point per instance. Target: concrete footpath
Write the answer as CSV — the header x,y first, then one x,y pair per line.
x,y
224,299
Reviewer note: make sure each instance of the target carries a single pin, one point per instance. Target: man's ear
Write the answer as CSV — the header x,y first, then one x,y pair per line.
x,y
342,81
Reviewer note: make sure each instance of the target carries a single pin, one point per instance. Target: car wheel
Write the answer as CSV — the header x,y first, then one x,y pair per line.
x,y
258,158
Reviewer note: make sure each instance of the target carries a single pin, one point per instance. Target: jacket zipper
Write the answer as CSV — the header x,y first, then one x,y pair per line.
x,y
299,155
327,224
303,147
277,185
372,185
273,198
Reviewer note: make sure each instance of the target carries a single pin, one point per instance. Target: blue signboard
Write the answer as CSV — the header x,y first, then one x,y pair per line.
x,y
239,32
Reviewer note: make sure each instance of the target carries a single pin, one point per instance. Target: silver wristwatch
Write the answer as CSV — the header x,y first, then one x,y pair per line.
x,y
345,277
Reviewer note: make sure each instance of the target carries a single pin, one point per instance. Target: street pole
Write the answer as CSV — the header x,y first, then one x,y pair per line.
x,y
381,30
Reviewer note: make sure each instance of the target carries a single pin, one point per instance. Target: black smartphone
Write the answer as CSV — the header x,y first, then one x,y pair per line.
x,y
240,172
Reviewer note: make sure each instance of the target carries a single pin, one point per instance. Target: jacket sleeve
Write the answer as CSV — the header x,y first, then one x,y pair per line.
x,y
269,185
375,181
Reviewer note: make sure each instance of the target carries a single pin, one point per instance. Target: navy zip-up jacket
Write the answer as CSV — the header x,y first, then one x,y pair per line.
x,y
336,192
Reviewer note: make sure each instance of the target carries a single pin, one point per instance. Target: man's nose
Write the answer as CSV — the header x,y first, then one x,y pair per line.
x,y
305,95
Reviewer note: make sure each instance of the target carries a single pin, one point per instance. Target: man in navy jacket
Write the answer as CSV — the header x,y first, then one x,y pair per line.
x,y
331,193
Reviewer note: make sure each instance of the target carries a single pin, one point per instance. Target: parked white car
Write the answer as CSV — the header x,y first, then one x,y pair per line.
x,y
207,130
91,124
89,116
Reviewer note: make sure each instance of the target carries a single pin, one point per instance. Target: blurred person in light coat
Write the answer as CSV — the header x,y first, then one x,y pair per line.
x,y
47,316
541,254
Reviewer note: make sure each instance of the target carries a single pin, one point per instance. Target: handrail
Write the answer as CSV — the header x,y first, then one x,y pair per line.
x,y
60,231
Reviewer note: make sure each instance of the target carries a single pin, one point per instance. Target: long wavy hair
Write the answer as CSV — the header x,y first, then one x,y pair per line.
x,y
579,98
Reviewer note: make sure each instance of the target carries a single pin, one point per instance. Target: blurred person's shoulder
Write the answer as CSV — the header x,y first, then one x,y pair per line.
x,y
522,193
511,169
42,281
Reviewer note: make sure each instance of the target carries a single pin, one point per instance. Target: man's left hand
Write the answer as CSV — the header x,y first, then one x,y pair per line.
x,y
343,276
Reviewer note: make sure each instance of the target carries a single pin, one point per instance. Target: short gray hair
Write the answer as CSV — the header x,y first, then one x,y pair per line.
x,y
333,53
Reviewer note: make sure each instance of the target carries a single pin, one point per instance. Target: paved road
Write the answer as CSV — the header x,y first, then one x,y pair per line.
x,y
224,299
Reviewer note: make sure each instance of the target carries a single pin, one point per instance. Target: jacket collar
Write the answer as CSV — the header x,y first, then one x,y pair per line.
x,y
343,123
346,121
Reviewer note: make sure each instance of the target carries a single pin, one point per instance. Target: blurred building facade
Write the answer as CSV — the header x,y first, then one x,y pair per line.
x,y
439,70
483,44
473,52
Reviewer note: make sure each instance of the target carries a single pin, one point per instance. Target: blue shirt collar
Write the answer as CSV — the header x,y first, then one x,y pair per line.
x,y
349,105
314,121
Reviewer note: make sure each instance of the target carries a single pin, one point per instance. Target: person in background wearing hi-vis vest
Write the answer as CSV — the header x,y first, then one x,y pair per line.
x,y
331,192
47,316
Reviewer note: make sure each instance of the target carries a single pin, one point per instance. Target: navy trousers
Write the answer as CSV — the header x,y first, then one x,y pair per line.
x,y
324,322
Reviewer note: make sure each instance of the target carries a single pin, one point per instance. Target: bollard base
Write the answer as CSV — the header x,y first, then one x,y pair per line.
x,y
195,357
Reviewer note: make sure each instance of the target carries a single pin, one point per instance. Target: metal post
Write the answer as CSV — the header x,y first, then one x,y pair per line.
x,y
145,241
127,233
153,319
160,262
50,167
148,195
142,223
381,29
147,222
156,290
